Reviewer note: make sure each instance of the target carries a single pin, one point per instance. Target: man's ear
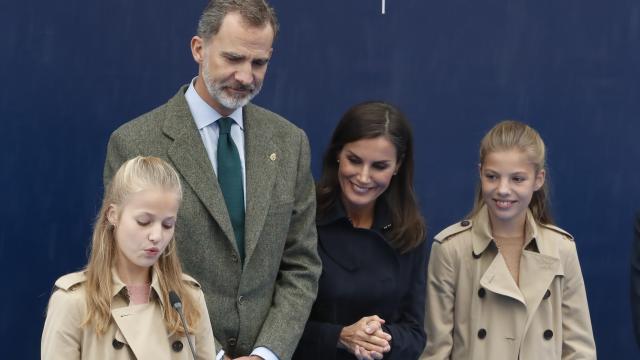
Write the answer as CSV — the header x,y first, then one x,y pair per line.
x,y
197,49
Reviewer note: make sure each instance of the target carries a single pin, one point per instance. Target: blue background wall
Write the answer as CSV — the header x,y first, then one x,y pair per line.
x,y
73,71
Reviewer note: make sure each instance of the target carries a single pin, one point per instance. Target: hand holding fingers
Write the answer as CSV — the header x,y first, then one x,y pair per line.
x,y
368,335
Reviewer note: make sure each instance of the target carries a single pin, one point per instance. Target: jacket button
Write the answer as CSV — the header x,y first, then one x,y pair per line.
x,y
465,223
482,333
232,342
481,292
476,256
117,344
547,294
177,346
240,299
548,334
234,258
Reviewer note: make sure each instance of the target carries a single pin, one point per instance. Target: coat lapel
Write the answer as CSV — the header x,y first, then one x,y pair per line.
x,y
499,280
261,158
537,271
191,160
538,267
136,323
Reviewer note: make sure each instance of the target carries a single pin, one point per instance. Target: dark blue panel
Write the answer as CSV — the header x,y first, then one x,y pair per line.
x,y
74,71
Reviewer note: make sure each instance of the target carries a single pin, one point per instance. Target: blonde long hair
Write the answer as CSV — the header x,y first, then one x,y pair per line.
x,y
133,176
514,135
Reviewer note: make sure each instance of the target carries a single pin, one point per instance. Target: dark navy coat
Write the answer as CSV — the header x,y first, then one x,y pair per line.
x,y
363,275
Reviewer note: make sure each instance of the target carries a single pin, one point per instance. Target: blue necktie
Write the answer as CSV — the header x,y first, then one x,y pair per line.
x,y
230,180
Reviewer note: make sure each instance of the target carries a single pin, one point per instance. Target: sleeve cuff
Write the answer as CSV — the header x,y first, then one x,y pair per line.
x,y
264,353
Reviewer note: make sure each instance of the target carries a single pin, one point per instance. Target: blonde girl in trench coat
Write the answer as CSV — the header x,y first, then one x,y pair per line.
x,y
118,307
507,284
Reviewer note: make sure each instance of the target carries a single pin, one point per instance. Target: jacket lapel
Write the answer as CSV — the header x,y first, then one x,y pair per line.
x,y
538,267
137,323
537,271
499,280
191,160
261,157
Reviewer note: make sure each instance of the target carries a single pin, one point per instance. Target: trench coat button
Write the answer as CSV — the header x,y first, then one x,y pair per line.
x,y
547,294
464,223
240,299
232,342
177,346
117,344
482,333
476,256
548,334
481,292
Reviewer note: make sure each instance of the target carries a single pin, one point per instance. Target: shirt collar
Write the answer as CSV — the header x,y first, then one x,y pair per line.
x,y
203,114
482,236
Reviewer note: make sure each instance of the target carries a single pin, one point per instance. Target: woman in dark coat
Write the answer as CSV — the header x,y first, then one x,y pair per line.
x,y
370,302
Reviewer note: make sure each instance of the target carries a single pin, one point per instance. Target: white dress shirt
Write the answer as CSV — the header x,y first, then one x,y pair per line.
x,y
206,119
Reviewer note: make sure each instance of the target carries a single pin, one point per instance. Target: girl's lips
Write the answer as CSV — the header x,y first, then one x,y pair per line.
x,y
152,251
504,204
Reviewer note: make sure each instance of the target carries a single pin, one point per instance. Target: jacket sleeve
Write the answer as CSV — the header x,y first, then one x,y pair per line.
x,y
205,343
62,333
635,280
577,336
297,282
407,335
119,150
441,278
319,341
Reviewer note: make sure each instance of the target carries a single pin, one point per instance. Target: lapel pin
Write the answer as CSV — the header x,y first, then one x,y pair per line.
x,y
273,157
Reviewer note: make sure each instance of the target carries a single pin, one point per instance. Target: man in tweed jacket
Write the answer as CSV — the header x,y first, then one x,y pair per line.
x,y
258,304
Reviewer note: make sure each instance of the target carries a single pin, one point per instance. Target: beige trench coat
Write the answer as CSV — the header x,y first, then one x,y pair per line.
x,y
136,332
475,309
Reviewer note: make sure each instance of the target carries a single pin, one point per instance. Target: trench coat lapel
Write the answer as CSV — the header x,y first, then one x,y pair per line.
x,y
261,157
190,159
137,323
538,267
499,280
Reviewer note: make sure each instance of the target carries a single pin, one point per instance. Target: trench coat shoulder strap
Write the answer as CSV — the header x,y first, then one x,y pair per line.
x,y
70,282
191,281
559,231
453,230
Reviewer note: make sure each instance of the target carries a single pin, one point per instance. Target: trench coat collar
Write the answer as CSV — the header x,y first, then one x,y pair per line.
x,y
381,216
482,235
119,287
539,263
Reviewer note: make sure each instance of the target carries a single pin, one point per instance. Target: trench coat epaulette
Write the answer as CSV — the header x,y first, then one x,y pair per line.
x,y
71,281
191,281
558,230
454,229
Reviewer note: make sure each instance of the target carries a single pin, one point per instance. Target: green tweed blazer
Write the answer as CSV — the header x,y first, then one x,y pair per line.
x,y
266,302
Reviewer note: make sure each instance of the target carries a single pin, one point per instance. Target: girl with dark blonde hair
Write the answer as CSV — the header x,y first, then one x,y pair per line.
x,y
506,283
118,307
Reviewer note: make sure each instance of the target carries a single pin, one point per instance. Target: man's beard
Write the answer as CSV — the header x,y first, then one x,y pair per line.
x,y
217,92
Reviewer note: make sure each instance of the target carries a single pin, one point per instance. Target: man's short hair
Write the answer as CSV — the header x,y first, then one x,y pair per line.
x,y
254,12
